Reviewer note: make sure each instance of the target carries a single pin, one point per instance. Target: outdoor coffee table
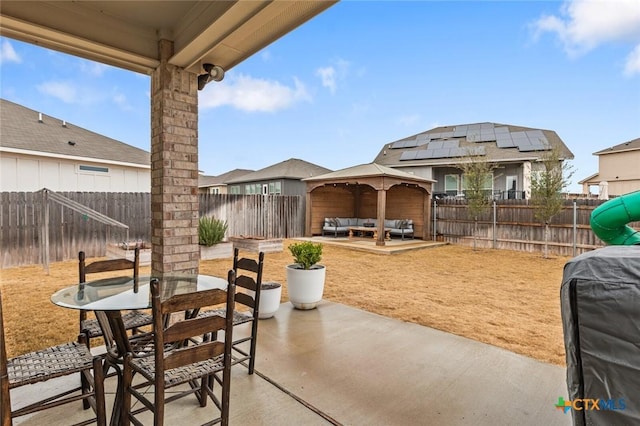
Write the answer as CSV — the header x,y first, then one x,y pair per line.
x,y
108,297
363,230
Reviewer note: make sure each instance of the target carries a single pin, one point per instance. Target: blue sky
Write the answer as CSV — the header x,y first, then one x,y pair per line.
x,y
363,74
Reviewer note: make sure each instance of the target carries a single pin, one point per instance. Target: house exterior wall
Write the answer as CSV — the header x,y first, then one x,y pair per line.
x,y
287,187
28,173
214,189
620,170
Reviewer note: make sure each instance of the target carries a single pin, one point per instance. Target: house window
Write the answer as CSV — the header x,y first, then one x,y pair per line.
x,y
275,188
451,184
85,168
235,189
214,190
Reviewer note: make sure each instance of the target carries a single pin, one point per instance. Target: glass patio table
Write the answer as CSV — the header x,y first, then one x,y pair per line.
x,y
109,296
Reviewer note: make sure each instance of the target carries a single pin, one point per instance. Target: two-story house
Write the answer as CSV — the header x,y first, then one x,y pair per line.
x,y
516,152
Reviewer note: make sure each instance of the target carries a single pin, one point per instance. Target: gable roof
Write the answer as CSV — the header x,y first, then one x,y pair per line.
x,y
292,168
631,145
204,181
447,144
367,170
22,132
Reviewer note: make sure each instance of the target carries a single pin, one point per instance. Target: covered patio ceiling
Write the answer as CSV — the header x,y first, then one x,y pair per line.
x,y
170,41
125,34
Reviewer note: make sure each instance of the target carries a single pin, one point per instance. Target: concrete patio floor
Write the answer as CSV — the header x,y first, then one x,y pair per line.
x,y
340,365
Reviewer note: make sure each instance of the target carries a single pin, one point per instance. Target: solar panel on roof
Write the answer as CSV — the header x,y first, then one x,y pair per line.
x,y
504,141
397,145
473,135
440,153
486,126
473,127
421,137
460,132
423,154
436,144
450,143
501,130
411,144
408,155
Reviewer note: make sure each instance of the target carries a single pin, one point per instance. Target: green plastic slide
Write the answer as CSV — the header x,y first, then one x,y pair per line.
x,y
609,220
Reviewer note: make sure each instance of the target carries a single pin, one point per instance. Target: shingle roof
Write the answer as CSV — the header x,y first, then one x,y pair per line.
x,y
21,130
222,179
367,170
631,145
292,168
458,139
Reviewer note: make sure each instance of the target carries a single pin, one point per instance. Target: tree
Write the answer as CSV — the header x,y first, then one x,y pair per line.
x,y
546,190
477,176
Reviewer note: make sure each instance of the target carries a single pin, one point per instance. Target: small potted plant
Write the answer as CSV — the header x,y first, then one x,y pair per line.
x,y
305,277
211,233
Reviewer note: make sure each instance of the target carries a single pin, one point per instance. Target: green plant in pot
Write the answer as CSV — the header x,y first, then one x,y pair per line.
x,y
305,277
211,230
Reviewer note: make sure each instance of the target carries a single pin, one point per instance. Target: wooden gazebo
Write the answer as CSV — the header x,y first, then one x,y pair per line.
x,y
369,191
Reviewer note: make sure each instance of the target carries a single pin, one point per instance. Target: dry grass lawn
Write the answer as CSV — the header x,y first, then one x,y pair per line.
x,y
503,298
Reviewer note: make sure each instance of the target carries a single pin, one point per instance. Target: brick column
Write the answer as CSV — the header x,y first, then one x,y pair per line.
x,y
174,168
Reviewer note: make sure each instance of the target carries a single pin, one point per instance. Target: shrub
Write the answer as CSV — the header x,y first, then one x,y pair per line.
x,y
306,254
211,230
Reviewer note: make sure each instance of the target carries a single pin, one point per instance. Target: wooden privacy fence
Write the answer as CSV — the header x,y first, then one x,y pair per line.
x,y
511,224
69,231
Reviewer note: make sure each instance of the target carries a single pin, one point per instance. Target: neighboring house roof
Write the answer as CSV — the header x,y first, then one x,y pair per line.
x,y
22,132
447,144
292,168
589,178
631,145
205,181
367,170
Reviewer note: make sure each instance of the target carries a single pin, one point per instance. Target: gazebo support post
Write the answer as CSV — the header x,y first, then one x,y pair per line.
x,y
382,213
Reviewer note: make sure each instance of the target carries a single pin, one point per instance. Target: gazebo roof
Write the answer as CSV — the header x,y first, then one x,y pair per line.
x,y
367,170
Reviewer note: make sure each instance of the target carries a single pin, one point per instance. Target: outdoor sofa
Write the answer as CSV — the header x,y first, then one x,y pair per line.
x,y
335,226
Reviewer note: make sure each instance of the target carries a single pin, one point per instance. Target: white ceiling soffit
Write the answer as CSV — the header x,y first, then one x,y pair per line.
x,y
125,34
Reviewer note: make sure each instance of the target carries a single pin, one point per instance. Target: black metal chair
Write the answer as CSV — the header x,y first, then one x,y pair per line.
x,y
175,363
45,364
248,296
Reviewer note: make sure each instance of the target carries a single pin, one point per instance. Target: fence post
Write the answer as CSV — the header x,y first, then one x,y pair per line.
x,y
495,218
575,227
435,204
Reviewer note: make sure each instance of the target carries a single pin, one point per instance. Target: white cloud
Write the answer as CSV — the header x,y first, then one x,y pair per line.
x,y
120,99
328,77
266,56
59,89
583,25
633,62
252,94
8,54
72,93
93,68
332,74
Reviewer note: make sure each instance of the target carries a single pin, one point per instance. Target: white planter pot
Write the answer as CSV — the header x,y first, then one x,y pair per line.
x,y
269,299
305,286
221,250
